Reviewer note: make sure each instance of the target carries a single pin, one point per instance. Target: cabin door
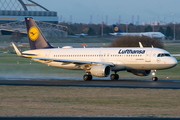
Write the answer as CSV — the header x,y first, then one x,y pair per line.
x,y
148,56
47,54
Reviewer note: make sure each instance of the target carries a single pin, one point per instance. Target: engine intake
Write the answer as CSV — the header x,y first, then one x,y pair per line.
x,y
140,72
100,70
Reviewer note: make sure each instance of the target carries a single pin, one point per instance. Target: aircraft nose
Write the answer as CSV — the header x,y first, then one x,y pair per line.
x,y
174,62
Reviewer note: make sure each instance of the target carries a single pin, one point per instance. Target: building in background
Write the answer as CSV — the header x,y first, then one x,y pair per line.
x,y
16,10
13,12
154,23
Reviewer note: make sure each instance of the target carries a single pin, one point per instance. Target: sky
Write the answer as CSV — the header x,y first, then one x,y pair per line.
x,y
148,10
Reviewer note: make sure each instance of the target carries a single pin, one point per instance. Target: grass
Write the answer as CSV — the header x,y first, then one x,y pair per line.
x,y
74,101
173,49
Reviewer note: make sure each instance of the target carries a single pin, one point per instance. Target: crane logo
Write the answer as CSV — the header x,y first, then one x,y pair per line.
x,y
116,28
33,33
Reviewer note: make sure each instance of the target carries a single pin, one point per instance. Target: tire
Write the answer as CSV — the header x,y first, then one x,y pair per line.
x,y
85,77
114,76
154,78
89,77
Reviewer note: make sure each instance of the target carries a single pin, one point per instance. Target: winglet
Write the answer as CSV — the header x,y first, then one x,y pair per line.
x,y
140,45
16,49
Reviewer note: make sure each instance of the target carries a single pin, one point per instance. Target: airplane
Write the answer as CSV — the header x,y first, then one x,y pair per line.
x,y
99,62
119,32
81,35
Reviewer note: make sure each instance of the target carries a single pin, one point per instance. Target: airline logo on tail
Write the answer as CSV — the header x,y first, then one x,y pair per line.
x,y
116,29
33,33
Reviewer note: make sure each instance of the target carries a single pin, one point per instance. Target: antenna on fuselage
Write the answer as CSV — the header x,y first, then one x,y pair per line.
x,y
140,45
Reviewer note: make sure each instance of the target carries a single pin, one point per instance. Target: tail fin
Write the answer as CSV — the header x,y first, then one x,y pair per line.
x,y
116,29
36,38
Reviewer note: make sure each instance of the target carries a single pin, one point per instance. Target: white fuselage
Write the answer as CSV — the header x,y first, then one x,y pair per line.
x,y
121,58
148,34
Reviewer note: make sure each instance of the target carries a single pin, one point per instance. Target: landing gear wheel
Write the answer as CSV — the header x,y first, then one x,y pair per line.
x,y
154,78
114,76
117,76
87,77
90,77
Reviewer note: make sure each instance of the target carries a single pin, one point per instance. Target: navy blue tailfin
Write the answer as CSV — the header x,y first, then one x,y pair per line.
x,y
116,29
36,38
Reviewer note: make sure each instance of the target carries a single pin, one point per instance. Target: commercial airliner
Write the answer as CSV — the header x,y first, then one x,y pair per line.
x,y
119,32
98,62
81,35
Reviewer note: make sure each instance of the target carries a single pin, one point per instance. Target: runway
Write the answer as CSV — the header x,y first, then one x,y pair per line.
x,y
121,83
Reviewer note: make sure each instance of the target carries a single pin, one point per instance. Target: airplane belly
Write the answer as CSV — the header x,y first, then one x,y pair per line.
x,y
118,66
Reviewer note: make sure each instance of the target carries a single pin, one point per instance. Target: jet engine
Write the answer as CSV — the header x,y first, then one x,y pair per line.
x,y
100,70
140,72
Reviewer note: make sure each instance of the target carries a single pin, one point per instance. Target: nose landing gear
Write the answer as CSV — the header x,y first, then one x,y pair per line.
x,y
154,78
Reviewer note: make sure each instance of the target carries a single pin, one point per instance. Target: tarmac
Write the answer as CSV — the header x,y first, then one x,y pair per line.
x,y
67,82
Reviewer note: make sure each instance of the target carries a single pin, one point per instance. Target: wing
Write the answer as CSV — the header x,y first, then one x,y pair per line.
x,y
73,61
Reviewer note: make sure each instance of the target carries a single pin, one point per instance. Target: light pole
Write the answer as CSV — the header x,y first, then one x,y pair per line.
x,y
153,29
126,27
102,28
174,32
174,27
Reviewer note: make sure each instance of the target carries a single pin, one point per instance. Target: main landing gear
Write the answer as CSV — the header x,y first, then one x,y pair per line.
x,y
154,78
87,77
114,76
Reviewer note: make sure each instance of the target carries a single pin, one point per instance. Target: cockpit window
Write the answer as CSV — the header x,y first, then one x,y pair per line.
x,y
163,55
166,54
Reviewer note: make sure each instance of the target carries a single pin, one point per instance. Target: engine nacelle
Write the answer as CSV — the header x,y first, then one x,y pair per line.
x,y
100,70
140,72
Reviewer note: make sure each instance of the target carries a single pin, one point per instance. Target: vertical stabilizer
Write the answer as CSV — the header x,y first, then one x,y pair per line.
x,y
36,38
116,29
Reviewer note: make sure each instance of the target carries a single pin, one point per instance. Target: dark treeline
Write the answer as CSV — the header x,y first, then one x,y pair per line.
x,y
95,29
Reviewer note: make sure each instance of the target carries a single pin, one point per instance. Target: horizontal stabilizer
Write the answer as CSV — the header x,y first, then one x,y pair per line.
x,y
16,49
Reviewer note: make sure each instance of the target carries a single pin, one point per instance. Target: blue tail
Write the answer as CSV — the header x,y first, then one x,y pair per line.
x,y
116,29
36,38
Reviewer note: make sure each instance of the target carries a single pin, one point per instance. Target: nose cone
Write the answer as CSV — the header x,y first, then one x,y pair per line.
x,y
173,62
170,62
